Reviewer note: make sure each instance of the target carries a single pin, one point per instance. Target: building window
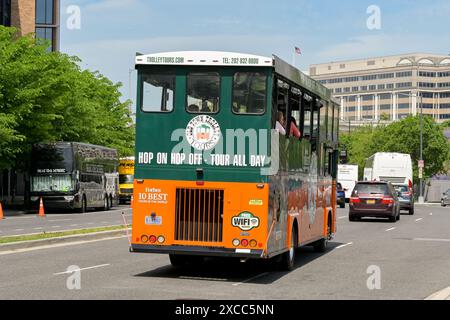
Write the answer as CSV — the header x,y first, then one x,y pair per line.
x,y
338,90
45,34
444,116
444,85
403,85
404,74
342,66
427,85
351,109
444,74
403,105
367,108
371,63
385,107
372,87
445,95
5,13
352,98
390,86
45,12
363,88
381,86
386,75
427,74
427,105
347,89
351,79
445,106
369,77
385,96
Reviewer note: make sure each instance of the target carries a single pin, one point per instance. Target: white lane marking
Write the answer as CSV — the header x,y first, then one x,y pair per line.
x,y
443,294
343,217
250,279
56,226
74,225
417,220
390,229
93,267
60,220
201,278
431,239
344,245
19,229
38,228
58,245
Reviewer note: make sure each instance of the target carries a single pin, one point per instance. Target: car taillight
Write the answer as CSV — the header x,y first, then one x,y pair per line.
x,y
355,200
152,239
406,193
244,242
387,201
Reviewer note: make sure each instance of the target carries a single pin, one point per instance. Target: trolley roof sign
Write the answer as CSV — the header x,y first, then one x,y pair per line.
x,y
206,58
232,59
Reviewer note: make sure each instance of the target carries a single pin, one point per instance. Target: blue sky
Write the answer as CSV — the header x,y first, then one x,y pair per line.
x,y
112,31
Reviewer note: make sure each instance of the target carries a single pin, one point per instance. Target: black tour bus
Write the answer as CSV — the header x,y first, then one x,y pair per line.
x,y
72,175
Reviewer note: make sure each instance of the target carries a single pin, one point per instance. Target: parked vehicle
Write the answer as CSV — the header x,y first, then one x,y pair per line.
x,y
377,199
347,176
340,195
393,167
445,200
126,179
405,198
72,175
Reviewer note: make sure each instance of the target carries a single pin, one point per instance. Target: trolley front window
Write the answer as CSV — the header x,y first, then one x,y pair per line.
x,y
203,92
249,92
158,92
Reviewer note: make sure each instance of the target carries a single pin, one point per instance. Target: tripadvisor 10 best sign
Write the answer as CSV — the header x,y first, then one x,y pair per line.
x,y
203,133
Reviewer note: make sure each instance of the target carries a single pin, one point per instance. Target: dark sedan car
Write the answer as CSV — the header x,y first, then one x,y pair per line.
x,y
340,195
405,197
374,199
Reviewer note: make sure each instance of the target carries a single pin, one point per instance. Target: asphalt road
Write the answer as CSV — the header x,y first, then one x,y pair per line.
x,y
413,258
53,222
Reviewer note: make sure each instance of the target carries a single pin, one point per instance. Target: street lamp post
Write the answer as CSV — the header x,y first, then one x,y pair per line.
x,y
421,198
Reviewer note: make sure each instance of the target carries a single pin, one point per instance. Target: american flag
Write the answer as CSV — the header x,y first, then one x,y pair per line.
x,y
297,50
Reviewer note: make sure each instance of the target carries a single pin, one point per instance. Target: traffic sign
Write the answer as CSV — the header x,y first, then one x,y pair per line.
x,y
420,173
421,164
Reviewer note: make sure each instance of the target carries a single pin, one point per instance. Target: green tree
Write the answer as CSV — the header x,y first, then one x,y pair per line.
x,y
46,97
404,137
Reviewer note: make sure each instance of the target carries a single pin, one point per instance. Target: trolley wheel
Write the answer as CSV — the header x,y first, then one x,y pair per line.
x,y
287,261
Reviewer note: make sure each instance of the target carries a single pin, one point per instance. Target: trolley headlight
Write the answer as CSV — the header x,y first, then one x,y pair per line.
x,y
34,199
161,239
236,242
68,198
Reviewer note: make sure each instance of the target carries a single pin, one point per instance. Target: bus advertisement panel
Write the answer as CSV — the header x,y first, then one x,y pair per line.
x,y
236,156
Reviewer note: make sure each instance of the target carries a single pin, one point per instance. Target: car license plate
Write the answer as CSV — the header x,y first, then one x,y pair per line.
x,y
370,201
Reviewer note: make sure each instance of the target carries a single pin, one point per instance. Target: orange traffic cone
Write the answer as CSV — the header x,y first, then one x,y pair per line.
x,y
41,209
1,211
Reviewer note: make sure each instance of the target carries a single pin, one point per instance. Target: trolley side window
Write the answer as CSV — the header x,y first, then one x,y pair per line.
x,y
249,92
158,91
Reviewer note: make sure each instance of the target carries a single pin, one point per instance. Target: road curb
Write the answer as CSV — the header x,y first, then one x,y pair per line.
x,y
64,239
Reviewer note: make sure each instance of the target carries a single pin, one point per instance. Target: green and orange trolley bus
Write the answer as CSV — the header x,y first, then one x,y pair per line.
x,y
236,156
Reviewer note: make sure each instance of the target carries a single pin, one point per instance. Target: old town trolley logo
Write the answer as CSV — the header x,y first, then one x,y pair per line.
x,y
203,132
245,221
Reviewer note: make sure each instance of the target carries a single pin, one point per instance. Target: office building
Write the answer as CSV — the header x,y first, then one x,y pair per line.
x,y
388,88
33,16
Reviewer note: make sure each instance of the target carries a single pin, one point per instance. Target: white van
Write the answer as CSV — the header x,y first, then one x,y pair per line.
x,y
347,176
393,167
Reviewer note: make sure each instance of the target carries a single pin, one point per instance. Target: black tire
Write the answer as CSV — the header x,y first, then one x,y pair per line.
x,y
106,203
178,260
83,207
352,218
398,216
111,203
321,245
443,203
411,211
342,206
287,261
393,218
